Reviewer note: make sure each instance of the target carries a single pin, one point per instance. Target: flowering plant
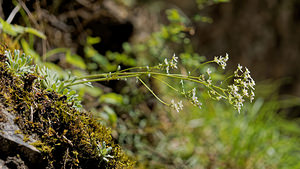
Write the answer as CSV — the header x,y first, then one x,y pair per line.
x,y
235,94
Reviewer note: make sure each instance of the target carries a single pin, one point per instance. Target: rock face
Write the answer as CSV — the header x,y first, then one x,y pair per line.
x,y
14,151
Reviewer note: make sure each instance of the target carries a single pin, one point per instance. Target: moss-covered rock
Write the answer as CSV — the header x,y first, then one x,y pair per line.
x,y
68,138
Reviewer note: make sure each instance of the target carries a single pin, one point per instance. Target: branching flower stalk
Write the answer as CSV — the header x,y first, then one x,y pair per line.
x,y
236,93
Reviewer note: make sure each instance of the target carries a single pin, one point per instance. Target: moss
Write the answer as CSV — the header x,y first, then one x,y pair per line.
x,y
67,138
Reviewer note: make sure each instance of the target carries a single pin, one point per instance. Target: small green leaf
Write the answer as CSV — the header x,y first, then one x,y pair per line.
x,y
173,15
7,28
75,60
55,51
93,40
95,91
65,92
29,51
54,87
14,30
35,32
111,98
111,114
72,92
127,47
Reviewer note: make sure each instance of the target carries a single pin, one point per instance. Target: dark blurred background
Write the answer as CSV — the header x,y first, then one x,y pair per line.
x,y
264,35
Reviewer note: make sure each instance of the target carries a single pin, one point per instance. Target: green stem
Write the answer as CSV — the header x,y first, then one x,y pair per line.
x,y
201,65
166,84
177,76
152,92
132,68
227,78
120,75
141,67
100,80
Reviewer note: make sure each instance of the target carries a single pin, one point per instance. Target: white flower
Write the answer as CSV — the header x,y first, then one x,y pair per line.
x,y
223,65
160,65
240,68
238,81
252,96
247,72
167,69
173,65
202,77
233,89
221,60
208,71
209,81
181,82
236,73
174,58
182,86
177,106
219,98
166,61
216,59
226,57
180,105
243,82
252,83
195,100
173,103
194,94
167,65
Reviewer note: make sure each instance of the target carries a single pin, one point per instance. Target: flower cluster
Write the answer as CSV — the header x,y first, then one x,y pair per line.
x,y
177,106
172,63
221,60
243,87
194,98
209,80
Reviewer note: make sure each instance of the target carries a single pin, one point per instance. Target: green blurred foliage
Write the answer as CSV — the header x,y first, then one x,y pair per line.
x,y
203,3
17,30
98,63
217,137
